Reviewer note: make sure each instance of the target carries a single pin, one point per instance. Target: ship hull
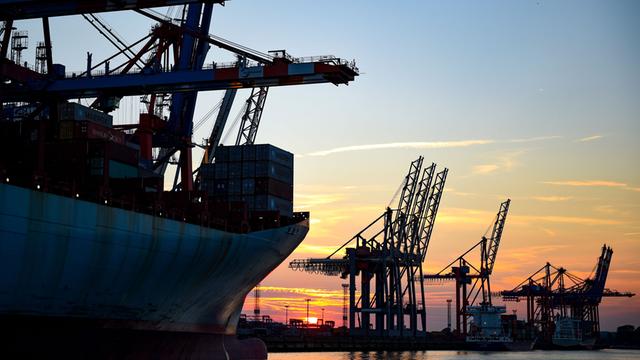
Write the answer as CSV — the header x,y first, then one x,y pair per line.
x,y
64,259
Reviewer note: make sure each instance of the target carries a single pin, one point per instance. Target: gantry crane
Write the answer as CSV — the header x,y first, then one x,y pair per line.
x,y
169,62
553,294
473,281
390,251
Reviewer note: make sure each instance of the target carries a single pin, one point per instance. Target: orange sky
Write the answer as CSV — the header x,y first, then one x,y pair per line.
x,y
553,217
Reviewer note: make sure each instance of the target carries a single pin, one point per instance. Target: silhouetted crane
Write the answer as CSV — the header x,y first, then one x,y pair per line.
x,y
390,252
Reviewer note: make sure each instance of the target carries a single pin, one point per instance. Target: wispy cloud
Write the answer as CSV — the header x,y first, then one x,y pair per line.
x,y
587,183
404,145
594,183
590,138
304,200
463,216
549,232
426,145
504,162
532,139
554,219
484,169
551,198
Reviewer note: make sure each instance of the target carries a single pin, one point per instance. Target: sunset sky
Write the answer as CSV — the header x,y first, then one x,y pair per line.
x,y
536,101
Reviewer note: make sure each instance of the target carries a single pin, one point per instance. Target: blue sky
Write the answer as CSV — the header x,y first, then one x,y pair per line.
x,y
534,100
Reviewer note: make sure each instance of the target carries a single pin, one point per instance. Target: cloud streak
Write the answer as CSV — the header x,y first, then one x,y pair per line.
x,y
426,145
537,138
551,198
594,183
575,220
587,183
484,169
404,145
505,162
590,138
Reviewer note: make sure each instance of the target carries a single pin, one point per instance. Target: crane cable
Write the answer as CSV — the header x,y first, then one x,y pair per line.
x,y
395,195
207,116
235,122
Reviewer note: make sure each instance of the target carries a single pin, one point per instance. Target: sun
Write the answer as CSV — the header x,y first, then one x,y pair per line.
x,y
313,320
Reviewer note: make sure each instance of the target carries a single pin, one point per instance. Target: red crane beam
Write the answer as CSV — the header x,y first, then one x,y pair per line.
x,y
301,73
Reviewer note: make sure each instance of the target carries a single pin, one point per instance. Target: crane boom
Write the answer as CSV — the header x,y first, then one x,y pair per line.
x,y
252,116
404,205
429,218
496,235
420,205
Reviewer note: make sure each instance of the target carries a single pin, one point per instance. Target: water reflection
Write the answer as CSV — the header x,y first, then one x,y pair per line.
x,y
461,355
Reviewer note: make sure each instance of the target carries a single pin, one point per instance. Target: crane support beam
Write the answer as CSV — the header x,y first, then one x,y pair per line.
x,y
31,9
429,219
252,116
496,235
302,73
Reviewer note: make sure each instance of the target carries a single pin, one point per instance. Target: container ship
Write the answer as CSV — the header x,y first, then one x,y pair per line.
x,y
98,256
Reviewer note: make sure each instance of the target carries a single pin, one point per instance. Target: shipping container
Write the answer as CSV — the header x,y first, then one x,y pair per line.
x,y
268,186
281,173
267,202
284,206
220,187
262,168
221,171
261,176
250,201
235,170
123,153
77,112
121,170
248,153
207,171
248,187
248,169
221,154
267,152
235,153
68,130
234,187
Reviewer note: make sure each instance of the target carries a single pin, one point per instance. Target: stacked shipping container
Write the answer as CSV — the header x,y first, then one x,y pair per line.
x,y
259,175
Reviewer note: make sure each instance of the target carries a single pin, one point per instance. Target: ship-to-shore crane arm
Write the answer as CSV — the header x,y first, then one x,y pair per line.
x,y
431,211
496,235
252,115
399,228
420,207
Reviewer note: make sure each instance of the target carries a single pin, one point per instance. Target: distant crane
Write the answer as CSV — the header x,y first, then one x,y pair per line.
x,y
390,252
461,268
553,293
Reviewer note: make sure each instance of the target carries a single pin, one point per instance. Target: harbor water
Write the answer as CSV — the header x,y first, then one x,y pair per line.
x,y
608,354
